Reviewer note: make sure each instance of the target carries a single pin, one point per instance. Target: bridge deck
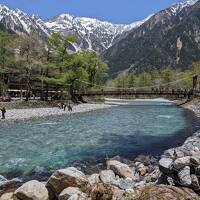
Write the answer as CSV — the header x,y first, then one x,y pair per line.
x,y
148,93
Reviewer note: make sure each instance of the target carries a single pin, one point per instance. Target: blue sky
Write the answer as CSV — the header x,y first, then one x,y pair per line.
x,y
116,11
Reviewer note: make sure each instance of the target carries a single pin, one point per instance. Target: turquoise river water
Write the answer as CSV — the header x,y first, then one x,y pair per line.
x,y
34,146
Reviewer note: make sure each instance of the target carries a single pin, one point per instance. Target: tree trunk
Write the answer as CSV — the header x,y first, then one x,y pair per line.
x,y
28,90
47,87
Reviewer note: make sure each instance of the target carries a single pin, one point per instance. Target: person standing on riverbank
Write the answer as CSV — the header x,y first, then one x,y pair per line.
x,y
3,111
69,108
64,106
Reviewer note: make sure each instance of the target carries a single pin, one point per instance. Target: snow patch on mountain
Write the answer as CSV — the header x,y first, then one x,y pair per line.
x,y
91,30
178,7
92,34
20,22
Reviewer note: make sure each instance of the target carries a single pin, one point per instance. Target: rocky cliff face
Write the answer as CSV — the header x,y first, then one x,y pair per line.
x,y
170,37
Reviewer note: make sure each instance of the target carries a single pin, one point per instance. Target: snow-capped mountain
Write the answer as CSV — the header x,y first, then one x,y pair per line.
x,y
19,22
93,34
178,7
170,37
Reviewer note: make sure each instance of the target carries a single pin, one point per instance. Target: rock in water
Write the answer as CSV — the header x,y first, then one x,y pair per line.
x,y
184,176
2,179
64,178
165,165
107,176
120,169
8,184
32,190
72,193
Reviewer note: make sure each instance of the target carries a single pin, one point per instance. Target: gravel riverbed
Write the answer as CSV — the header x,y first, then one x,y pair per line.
x,y
22,114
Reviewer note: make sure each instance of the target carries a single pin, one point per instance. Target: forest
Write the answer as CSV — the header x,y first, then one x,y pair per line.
x,y
28,61
34,64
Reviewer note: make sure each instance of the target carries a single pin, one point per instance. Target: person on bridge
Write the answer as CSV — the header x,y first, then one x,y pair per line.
x,y
3,111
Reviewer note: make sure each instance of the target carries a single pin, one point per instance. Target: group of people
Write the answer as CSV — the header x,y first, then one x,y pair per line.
x,y
64,106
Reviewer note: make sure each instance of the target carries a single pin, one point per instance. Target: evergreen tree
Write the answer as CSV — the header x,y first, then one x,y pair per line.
x,y
6,60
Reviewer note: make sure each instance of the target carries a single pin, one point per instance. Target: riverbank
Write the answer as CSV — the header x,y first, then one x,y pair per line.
x,y
173,177
194,106
28,113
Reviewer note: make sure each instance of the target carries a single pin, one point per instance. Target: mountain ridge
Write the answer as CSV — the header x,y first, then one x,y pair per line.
x,y
93,34
145,44
165,39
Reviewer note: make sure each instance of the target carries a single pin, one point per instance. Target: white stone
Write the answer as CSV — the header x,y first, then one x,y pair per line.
x,y
182,162
64,178
120,169
32,190
72,193
184,176
107,176
165,164
93,179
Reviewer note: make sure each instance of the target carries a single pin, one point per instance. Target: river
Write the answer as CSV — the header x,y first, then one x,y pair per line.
x,y
34,146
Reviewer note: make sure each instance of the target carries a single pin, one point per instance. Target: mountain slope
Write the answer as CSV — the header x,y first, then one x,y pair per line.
x,y
170,37
92,33
16,21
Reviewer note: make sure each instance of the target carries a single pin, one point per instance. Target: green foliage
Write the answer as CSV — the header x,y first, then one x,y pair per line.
x,y
157,78
6,60
70,71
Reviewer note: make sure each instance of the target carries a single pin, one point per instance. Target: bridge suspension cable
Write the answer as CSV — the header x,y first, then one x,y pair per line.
x,y
136,88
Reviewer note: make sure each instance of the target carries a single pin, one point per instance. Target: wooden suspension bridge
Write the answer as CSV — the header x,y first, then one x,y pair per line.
x,y
16,88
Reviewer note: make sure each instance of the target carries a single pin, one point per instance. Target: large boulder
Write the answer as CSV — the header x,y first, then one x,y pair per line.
x,y
125,184
72,193
32,190
8,184
64,178
120,169
166,165
182,162
81,196
195,160
153,176
93,179
7,196
195,182
118,193
158,192
107,176
174,153
184,176
102,191
197,170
